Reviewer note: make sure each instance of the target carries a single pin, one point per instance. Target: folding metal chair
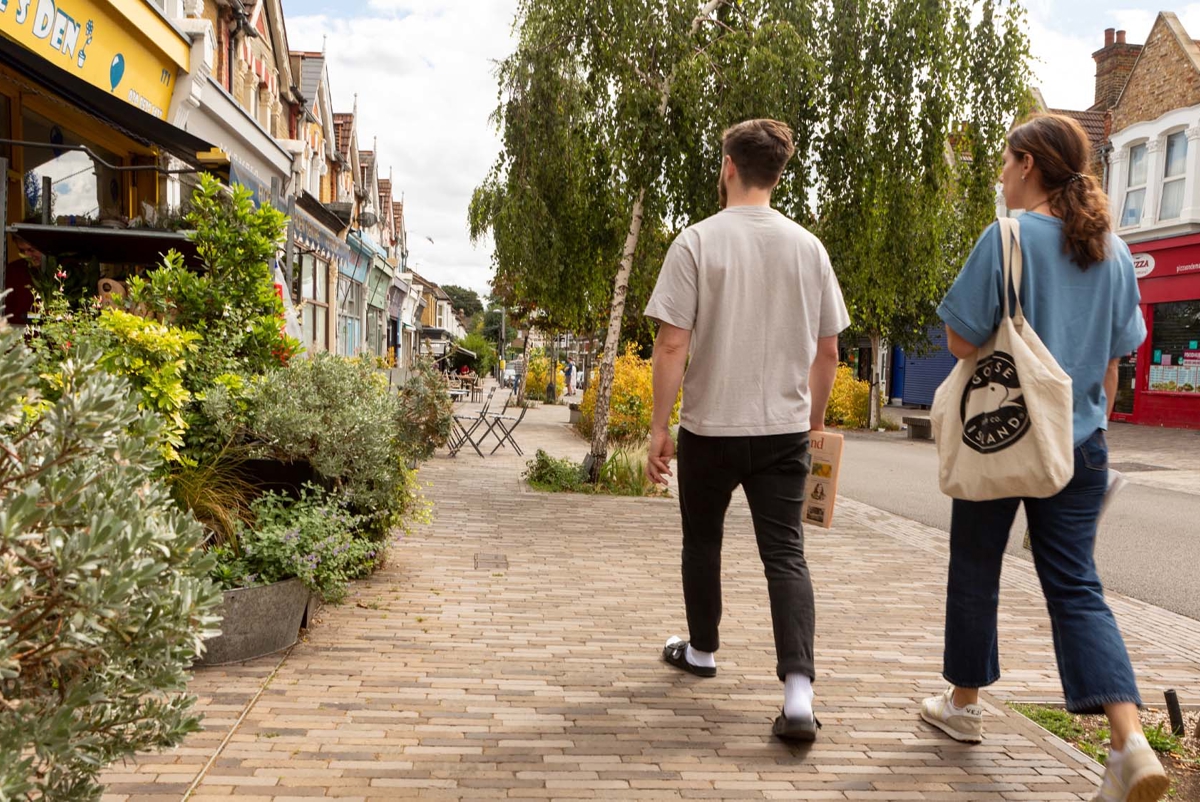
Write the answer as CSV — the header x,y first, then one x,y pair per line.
x,y
465,426
502,422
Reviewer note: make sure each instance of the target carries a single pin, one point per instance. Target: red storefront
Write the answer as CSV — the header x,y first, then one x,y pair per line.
x,y
1160,382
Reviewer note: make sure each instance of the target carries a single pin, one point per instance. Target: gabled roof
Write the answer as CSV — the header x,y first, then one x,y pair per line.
x,y
312,72
1190,48
343,124
1092,123
366,158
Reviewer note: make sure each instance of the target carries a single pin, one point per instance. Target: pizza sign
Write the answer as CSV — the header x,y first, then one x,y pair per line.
x,y
1143,264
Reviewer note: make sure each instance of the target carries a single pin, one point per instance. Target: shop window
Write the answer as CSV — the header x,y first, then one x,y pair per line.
x,y
314,292
350,314
1175,355
79,186
1135,187
1174,176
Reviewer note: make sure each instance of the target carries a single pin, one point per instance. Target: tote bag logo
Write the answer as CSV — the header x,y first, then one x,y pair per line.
x,y
994,415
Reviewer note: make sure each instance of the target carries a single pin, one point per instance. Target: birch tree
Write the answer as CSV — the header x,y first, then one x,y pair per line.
x,y
917,101
611,113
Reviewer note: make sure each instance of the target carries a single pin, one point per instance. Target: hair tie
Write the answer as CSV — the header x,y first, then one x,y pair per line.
x,y
1075,177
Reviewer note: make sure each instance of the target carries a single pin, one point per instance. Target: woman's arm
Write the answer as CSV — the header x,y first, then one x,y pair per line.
x,y
958,346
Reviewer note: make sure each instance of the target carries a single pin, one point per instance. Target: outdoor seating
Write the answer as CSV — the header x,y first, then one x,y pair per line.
x,y
465,426
507,424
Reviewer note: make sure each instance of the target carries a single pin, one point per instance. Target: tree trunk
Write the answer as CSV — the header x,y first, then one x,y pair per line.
x,y
599,453
521,383
876,382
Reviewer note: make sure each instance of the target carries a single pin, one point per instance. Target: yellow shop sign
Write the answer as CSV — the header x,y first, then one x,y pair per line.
x,y
111,45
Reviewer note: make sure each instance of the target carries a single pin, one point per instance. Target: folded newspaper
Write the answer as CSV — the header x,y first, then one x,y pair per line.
x,y
820,493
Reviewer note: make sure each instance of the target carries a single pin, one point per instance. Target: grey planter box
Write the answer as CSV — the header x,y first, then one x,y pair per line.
x,y
576,415
257,621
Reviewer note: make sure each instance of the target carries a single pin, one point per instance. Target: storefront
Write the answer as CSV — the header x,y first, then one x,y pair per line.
x,y
357,284
84,88
318,258
378,286
1159,384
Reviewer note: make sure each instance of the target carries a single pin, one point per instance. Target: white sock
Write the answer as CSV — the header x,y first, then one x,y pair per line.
x,y
797,696
701,659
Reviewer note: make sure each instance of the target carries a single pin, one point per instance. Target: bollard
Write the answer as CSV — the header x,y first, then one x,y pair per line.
x,y
1175,713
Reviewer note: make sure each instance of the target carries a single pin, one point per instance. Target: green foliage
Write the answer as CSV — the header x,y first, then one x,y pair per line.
x,y
484,350
551,474
232,302
1162,740
610,117
153,356
311,538
425,415
916,115
216,492
104,604
623,474
464,300
338,416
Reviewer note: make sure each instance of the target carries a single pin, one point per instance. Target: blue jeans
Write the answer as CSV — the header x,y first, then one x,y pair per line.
x,y
1092,661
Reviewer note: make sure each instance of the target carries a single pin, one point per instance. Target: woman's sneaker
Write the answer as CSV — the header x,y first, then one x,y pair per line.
x,y
960,723
1133,774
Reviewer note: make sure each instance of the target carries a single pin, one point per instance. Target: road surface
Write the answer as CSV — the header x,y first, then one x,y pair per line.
x,y
1149,543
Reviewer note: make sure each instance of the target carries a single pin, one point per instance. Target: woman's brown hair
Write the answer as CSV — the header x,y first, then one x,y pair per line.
x,y
1063,154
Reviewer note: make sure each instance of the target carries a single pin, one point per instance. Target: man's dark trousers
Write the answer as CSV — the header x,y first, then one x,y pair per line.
x,y
772,470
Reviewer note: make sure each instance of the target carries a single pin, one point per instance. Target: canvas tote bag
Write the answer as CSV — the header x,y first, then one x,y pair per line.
x,y
1003,417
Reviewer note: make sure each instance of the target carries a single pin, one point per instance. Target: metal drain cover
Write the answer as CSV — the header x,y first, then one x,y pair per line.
x,y
491,561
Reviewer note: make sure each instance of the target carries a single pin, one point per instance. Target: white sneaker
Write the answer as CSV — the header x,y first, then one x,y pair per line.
x,y
962,724
1133,774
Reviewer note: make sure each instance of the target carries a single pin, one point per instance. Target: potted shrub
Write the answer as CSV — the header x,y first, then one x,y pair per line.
x,y
105,592
291,550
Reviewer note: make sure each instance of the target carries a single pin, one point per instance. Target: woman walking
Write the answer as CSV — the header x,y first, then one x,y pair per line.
x,y
1080,295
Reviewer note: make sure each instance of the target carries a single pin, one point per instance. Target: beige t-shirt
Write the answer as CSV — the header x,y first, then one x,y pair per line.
x,y
756,290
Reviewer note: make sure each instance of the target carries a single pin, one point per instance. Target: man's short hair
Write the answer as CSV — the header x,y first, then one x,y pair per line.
x,y
760,149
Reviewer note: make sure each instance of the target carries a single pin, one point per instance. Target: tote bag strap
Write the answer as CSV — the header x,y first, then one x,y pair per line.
x,y
1010,246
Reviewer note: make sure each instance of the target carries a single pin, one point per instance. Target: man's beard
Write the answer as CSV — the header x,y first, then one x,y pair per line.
x,y
722,191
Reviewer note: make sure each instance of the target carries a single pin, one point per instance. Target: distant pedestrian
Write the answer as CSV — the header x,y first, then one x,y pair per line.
x,y
1079,293
569,376
746,272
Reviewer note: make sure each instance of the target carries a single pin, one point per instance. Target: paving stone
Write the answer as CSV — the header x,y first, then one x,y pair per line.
x,y
533,672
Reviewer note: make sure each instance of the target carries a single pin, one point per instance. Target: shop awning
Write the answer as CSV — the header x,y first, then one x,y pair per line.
x,y
109,245
131,121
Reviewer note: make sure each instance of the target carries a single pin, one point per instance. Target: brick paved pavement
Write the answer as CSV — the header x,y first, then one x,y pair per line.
x,y
510,651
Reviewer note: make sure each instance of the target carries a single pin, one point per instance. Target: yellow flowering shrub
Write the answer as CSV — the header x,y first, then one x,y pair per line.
x,y
539,376
850,401
632,405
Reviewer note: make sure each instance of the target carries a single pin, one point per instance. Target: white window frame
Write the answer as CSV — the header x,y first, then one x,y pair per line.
x,y
1180,179
1131,188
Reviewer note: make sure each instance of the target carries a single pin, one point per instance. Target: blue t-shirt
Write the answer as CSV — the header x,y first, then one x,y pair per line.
x,y
1084,317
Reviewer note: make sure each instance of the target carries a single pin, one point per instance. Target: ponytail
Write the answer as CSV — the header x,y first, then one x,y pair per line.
x,y
1062,152
1083,207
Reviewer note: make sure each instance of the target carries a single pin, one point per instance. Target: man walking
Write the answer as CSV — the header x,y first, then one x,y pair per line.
x,y
745,283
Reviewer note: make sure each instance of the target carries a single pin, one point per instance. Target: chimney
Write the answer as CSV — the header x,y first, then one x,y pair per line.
x,y
1114,62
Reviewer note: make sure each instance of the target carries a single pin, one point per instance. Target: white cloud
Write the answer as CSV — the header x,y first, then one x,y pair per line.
x,y
424,75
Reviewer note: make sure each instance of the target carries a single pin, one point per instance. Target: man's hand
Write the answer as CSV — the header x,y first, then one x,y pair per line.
x,y
662,451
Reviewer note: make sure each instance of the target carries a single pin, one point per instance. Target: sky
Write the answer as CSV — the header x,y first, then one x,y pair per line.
x,y
423,71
